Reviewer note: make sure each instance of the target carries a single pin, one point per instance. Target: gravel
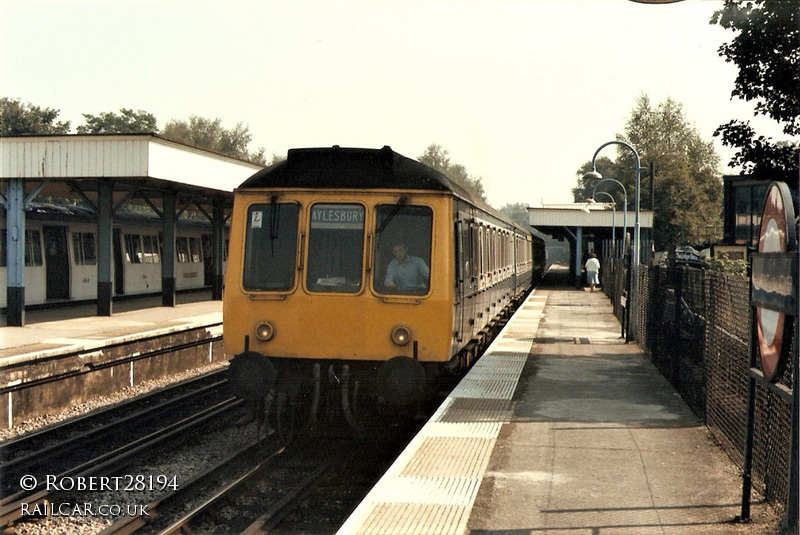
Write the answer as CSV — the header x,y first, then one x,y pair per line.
x,y
99,402
180,464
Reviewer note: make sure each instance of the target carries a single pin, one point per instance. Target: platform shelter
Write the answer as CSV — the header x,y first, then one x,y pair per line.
x,y
592,227
104,173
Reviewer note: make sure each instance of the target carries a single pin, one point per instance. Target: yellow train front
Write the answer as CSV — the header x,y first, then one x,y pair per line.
x,y
362,276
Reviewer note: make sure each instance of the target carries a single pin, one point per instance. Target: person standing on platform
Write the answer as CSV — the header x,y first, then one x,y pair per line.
x,y
592,271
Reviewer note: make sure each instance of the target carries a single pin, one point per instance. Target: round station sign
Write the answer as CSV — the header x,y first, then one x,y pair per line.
x,y
777,235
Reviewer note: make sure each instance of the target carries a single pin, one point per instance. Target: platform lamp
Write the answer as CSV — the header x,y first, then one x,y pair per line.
x,y
613,220
624,205
593,174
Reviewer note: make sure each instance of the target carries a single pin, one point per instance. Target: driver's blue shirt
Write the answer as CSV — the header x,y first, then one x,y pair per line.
x,y
411,275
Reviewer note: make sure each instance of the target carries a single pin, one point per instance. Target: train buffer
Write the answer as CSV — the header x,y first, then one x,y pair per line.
x,y
560,427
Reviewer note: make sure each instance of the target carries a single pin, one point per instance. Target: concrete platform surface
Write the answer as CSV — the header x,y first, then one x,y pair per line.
x,y
77,326
600,443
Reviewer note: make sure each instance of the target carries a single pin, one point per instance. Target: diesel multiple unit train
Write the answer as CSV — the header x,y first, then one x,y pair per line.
x,y
362,276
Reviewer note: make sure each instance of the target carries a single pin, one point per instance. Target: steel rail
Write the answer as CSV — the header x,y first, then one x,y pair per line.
x,y
59,447
275,514
132,523
13,511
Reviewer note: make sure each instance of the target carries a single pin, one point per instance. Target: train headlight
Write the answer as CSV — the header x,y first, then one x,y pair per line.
x,y
265,330
401,335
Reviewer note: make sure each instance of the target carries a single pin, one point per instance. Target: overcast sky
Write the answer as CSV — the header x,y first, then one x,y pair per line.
x,y
520,92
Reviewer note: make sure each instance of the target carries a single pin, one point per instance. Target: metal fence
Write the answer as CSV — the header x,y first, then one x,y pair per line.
x,y
695,324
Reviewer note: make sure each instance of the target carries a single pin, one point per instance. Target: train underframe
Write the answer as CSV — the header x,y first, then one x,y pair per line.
x,y
284,394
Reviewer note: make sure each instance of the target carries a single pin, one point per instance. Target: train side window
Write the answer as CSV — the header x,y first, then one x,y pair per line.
x,y
3,248
182,252
33,248
133,248
194,250
335,248
83,246
270,250
402,249
151,248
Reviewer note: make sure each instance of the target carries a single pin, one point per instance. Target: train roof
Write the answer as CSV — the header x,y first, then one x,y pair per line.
x,y
357,168
338,167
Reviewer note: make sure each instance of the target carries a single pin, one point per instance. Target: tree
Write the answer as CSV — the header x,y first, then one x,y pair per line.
x,y
18,119
766,51
439,159
585,187
517,212
276,159
126,122
688,189
209,134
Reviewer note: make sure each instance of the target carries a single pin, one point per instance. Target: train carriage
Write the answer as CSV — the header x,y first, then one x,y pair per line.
x,y
61,255
364,269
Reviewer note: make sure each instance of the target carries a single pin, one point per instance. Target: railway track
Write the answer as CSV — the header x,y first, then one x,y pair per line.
x,y
265,487
205,490
35,465
53,440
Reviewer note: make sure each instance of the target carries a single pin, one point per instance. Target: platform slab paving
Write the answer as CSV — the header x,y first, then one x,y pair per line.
x,y
599,442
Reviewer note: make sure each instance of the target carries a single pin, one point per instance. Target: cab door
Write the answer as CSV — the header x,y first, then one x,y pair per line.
x,y
465,278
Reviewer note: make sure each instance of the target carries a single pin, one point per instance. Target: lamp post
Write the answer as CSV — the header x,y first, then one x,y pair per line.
x,y
624,205
634,298
613,221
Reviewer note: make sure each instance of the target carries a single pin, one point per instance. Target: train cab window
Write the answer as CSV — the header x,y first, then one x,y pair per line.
x,y
270,250
402,249
83,246
335,248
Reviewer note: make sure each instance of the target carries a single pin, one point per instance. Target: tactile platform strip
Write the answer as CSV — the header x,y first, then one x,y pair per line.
x,y
481,388
404,519
431,486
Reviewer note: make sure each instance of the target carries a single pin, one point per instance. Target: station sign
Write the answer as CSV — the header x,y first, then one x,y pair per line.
x,y
773,283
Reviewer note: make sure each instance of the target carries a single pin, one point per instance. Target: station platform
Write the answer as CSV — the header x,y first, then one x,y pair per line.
x,y
67,327
561,427
64,356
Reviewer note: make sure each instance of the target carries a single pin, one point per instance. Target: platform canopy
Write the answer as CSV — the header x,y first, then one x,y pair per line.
x,y
586,225
107,173
132,161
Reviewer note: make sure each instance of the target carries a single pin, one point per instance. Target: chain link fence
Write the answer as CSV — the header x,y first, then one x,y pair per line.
x,y
695,324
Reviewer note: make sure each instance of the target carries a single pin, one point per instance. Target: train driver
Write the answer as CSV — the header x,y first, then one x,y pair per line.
x,y
406,273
